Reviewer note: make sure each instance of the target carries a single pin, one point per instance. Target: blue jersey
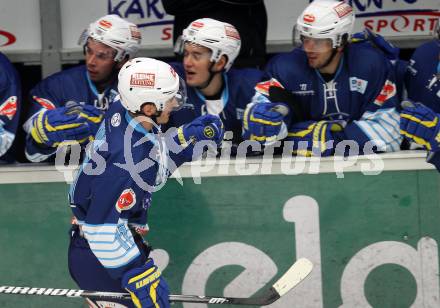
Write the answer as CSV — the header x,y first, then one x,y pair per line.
x,y
10,104
422,81
238,91
112,191
362,93
55,91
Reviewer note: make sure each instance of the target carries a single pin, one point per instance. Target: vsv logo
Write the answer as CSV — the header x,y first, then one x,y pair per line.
x,y
151,13
362,5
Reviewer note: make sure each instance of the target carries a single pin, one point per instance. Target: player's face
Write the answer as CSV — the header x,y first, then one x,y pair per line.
x,y
318,50
99,61
196,62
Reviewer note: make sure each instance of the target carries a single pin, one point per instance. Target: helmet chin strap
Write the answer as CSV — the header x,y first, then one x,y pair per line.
x,y
211,76
330,59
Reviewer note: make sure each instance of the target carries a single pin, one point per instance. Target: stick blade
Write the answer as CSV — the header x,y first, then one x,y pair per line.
x,y
296,274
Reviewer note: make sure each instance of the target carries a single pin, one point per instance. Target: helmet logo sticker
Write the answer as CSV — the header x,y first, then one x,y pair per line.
x,y
197,24
343,9
105,24
232,32
135,33
309,18
143,80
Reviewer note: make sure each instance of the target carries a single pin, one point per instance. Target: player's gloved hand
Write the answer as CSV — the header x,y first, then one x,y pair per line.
x,y
147,287
421,125
315,137
263,122
59,126
94,117
205,127
390,51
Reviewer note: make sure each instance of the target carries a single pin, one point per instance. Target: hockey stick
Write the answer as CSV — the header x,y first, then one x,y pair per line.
x,y
296,274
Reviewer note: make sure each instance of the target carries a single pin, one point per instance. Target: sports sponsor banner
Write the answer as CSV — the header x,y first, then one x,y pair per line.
x,y
398,19
402,19
373,239
20,25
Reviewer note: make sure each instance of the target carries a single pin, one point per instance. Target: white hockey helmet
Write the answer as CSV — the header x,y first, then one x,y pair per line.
x,y
115,32
147,80
220,37
331,19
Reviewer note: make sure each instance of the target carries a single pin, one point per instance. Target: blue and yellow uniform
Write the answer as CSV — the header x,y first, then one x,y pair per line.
x,y
55,91
361,94
110,198
10,105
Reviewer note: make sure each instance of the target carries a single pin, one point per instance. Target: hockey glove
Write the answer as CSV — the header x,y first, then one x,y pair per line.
x,y
314,138
59,126
93,116
206,127
263,122
146,286
421,125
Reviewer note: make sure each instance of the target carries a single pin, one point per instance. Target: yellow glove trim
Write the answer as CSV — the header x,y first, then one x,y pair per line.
x,y
265,122
140,276
51,128
97,119
305,153
262,138
303,133
37,131
134,299
153,294
245,116
181,137
417,120
416,139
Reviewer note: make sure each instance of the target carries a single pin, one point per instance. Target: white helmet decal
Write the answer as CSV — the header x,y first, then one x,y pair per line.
x,y
220,37
115,32
147,80
330,19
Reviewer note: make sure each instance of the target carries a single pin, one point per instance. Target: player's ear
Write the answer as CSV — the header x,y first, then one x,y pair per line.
x,y
220,64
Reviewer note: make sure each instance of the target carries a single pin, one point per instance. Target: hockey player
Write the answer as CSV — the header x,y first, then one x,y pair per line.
x,y
69,105
337,90
10,102
420,121
112,192
209,49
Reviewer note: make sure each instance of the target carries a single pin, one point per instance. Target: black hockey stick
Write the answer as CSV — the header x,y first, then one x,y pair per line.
x,y
296,274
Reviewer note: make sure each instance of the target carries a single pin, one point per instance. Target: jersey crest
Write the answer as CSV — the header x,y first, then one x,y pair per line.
x,y
126,200
9,107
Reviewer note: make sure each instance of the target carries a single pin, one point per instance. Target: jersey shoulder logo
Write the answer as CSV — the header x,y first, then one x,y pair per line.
x,y
388,91
126,200
9,107
44,102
